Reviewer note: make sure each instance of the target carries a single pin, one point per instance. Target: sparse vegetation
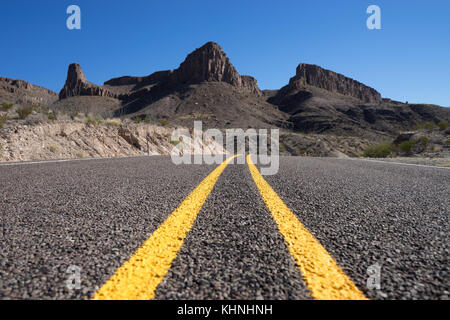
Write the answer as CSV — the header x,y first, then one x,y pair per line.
x,y
113,122
381,150
54,148
39,108
51,116
3,119
24,112
430,125
282,147
137,120
6,106
424,141
443,125
164,122
427,125
406,146
147,120
81,155
93,121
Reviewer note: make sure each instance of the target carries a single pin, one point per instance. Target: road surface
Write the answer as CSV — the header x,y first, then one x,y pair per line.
x,y
146,228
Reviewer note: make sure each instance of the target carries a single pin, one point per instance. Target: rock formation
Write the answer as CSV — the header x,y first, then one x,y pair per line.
x,y
77,85
206,64
316,76
210,63
19,91
156,77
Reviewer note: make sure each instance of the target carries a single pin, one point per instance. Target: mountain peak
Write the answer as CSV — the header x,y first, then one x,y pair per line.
x,y
207,63
210,63
75,73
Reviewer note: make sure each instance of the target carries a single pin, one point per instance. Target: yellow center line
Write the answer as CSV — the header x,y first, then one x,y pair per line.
x,y
324,278
138,278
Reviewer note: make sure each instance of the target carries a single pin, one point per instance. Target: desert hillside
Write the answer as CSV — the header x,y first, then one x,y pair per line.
x,y
319,112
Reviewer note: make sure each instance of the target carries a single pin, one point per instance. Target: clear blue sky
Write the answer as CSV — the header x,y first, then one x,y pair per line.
x,y
408,60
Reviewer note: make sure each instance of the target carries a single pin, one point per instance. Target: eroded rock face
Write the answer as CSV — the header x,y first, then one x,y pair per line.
x,y
77,85
316,76
21,91
249,83
208,63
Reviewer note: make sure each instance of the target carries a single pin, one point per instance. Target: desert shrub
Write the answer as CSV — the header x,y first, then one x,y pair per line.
x,y
147,120
164,122
429,125
39,108
3,119
443,125
51,116
93,122
113,122
381,150
81,155
24,112
406,146
54,148
424,141
6,106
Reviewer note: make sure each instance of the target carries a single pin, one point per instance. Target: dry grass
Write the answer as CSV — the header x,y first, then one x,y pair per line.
x,y
113,122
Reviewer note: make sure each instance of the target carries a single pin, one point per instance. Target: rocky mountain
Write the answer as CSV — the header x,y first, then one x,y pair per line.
x,y
206,64
207,87
19,91
210,63
322,101
307,74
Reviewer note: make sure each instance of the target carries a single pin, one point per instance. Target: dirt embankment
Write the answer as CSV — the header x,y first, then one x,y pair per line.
x,y
70,139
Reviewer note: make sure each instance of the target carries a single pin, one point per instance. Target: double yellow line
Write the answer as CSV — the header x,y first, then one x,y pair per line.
x,y
324,278
138,278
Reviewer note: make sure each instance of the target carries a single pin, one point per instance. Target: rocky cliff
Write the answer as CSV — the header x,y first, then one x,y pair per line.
x,y
316,76
77,85
208,63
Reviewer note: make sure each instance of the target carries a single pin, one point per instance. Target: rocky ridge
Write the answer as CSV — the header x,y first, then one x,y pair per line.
x,y
19,91
308,74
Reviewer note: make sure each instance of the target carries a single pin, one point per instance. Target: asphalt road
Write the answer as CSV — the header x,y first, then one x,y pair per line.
x,y
95,214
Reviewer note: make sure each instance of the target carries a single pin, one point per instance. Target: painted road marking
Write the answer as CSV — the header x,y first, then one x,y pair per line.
x,y
138,278
324,278
398,163
25,163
